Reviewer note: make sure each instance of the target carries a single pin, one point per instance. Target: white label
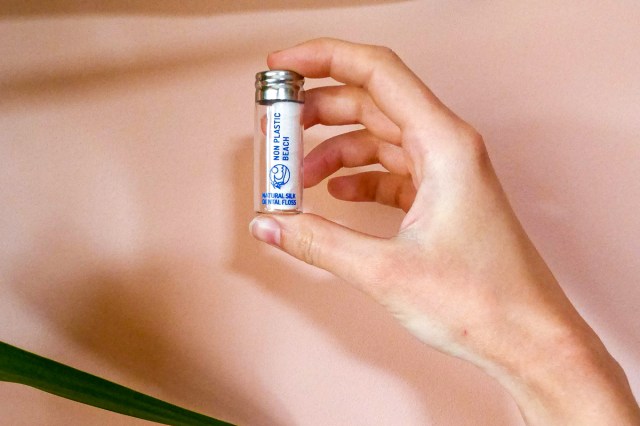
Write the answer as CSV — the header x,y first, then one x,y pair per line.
x,y
284,157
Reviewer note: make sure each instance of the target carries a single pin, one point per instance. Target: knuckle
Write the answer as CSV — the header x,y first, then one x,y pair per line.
x,y
307,248
473,149
381,54
380,57
387,53
325,42
405,194
473,138
478,149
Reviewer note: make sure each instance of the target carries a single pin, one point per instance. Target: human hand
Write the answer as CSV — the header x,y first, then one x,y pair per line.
x,y
461,274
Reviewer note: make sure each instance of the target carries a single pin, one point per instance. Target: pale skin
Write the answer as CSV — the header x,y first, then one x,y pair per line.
x,y
461,274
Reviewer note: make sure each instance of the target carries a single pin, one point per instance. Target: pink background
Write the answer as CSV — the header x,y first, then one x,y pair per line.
x,y
125,194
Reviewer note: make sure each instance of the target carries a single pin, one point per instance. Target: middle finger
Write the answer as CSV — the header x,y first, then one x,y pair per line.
x,y
339,105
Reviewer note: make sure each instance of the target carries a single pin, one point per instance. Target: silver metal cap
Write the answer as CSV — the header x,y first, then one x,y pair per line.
x,y
279,85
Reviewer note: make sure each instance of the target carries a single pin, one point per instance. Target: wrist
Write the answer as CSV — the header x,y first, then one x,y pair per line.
x,y
566,376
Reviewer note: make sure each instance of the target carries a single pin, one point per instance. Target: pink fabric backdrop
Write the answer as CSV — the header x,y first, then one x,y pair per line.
x,y
125,194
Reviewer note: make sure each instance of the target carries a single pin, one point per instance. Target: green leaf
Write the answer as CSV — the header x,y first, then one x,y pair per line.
x,y
20,366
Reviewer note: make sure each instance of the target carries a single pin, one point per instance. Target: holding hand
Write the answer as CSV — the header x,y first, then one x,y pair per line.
x,y
461,274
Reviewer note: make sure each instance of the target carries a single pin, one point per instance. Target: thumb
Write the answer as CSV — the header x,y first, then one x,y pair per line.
x,y
342,251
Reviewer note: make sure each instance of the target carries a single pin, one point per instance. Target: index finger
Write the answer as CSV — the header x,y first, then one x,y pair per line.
x,y
395,89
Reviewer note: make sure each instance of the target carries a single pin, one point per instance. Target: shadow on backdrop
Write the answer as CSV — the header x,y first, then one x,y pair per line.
x,y
127,317
169,7
47,82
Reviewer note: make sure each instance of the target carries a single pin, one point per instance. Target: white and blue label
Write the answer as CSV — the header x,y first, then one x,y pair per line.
x,y
284,156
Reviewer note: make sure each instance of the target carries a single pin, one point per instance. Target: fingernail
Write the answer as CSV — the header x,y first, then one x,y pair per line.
x,y
265,229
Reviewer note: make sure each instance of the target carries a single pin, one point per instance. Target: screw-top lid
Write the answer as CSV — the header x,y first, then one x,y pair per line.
x,y
279,85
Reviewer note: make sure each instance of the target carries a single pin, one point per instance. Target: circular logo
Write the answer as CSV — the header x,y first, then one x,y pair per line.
x,y
279,175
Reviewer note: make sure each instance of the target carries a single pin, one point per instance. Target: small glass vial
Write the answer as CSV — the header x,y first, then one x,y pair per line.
x,y
278,149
